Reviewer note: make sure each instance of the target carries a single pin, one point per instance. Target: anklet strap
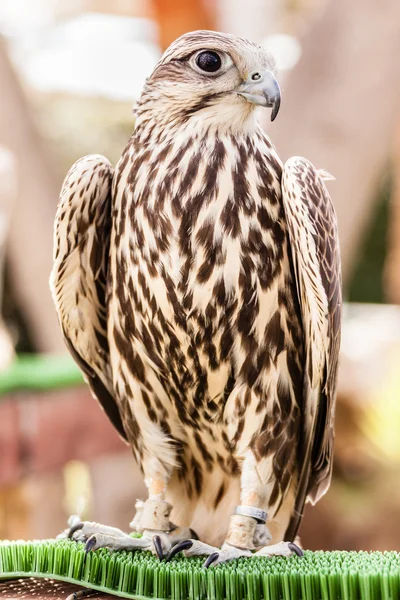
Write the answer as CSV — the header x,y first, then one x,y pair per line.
x,y
250,511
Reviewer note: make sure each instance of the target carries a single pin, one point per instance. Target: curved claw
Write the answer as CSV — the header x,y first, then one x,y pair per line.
x,y
212,558
158,546
75,528
295,549
185,545
90,544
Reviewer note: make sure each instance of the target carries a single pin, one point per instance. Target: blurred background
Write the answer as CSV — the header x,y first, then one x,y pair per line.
x,y
69,75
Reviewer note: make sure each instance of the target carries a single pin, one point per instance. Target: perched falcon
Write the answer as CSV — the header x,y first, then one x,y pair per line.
x,y
198,289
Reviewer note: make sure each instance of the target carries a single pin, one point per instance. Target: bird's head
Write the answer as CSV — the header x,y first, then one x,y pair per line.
x,y
216,76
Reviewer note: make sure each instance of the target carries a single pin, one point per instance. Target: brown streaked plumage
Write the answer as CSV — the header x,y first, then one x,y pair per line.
x,y
214,349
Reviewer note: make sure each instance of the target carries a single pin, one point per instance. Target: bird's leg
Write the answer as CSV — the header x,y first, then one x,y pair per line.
x,y
176,534
247,524
151,520
247,528
154,518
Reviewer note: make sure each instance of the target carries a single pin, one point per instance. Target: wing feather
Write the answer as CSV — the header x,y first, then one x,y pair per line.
x,y
79,274
315,253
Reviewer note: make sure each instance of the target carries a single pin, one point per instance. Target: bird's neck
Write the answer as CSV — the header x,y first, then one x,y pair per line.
x,y
159,121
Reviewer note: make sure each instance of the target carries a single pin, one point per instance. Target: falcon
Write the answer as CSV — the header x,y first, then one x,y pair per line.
x,y
198,288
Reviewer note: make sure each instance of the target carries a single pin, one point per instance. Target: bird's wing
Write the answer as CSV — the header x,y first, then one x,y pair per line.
x,y
78,278
314,245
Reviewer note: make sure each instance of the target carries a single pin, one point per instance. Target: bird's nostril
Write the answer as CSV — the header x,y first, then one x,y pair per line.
x,y
256,76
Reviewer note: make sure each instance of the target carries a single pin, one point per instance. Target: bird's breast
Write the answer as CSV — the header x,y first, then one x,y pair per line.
x,y
201,243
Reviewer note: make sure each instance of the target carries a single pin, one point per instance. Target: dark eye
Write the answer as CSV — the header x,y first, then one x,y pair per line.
x,y
208,61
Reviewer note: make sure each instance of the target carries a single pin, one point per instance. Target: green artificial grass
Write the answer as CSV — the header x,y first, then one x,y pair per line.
x,y
140,575
40,372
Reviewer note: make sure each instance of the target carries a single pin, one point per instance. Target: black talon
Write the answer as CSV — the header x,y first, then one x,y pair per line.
x,y
90,544
185,545
296,549
75,528
212,558
158,546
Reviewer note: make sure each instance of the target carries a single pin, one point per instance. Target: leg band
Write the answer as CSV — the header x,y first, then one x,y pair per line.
x,y
250,511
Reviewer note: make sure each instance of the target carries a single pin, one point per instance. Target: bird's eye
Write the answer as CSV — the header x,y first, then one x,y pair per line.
x,y
209,61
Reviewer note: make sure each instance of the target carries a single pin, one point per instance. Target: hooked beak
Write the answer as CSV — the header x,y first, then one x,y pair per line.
x,y
263,89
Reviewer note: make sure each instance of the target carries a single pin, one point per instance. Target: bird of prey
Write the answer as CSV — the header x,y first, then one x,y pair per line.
x,y
198,288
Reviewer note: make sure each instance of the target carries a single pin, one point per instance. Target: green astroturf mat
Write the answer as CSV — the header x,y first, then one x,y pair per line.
x,y
315,576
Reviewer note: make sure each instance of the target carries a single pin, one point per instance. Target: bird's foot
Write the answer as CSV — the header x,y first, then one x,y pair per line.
x,y
95,536
214,555
228,552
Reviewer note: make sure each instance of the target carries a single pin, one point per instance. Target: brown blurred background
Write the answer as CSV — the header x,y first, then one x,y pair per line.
x,y
69,74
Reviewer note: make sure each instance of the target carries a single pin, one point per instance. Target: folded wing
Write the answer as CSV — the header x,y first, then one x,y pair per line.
x,y
79,274
315,255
